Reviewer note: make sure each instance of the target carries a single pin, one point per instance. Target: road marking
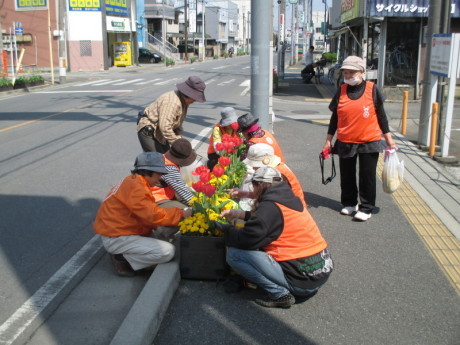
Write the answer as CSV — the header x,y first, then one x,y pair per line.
x,y
166,81
224,83
108,82
246,83
23,317
92,82
204,134
86,91
148,81
212,80
129,81
246,67
220,67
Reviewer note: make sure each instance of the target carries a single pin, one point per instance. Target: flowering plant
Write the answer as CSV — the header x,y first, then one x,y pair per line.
x,y
210,192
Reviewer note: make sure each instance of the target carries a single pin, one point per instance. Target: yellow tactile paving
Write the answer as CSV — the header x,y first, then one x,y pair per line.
x,y
444,247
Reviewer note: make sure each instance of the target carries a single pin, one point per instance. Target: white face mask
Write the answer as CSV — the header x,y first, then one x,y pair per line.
x,y
352,81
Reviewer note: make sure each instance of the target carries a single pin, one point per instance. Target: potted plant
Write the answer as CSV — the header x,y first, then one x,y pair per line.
x,y
192,59
170,62
215,57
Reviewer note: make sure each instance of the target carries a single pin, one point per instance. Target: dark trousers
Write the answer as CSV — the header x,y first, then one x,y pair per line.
x,y
149,143
366,178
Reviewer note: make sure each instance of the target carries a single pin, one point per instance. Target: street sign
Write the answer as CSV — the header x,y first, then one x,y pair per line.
x,y
18,31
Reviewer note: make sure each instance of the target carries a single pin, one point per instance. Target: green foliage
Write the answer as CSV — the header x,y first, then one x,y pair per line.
x,y
215,57
224,54
35,79
170,61
193,59
5,82
330,57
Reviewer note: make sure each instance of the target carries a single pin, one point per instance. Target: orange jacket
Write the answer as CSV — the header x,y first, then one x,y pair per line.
x,y
164,193
130,209
293,181
300,237
357,119
269,139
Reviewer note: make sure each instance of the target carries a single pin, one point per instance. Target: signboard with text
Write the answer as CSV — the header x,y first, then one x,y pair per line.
x,y
31,5
441,55
405,8
84,5
349,10
119,7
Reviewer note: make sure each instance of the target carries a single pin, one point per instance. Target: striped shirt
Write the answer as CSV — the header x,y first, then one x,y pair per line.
x,y
174,179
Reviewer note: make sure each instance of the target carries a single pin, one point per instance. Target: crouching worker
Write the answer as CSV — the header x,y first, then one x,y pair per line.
x,y
128,215
280,248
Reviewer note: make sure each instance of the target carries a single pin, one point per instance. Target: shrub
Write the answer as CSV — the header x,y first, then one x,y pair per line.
x,y
5,82
330,57
224,54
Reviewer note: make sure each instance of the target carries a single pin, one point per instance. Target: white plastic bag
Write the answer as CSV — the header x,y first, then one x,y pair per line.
x,y
393,171
186,172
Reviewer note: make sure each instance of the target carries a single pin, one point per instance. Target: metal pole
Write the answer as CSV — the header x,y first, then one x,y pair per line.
x,y
203,10
434,129
186,28
404,112
292,34
260,50
433,27
50,39
62,42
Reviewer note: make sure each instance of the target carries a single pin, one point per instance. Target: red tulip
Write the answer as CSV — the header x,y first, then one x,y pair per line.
x,y
218,171
201,169
234,126
198,186
209,190
224,161
219,146
205,177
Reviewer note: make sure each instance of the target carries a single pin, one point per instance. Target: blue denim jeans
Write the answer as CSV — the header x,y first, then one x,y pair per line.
x,y
261,269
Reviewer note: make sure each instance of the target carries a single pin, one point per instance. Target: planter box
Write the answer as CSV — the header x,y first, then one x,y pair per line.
x,y
202,257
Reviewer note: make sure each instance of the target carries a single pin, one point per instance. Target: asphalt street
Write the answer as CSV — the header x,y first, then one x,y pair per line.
x,y
63,148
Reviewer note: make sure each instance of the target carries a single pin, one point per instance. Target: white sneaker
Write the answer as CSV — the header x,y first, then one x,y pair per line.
x,y
362,216
348,210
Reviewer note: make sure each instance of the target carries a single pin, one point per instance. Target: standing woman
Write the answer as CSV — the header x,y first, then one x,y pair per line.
x,y
359,119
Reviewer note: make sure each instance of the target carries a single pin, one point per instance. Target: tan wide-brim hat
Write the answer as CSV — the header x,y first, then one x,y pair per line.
x,y
193,88
354,63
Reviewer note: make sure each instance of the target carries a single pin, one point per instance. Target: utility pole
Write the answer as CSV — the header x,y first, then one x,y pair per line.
x,y
429,80
203,9
62,26
186,28
260,64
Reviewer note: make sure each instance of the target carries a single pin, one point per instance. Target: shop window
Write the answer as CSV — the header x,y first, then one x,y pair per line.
x,y
402,53
85,48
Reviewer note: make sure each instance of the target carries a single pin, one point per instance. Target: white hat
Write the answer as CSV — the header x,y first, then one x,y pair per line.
x,y
260,155
267,174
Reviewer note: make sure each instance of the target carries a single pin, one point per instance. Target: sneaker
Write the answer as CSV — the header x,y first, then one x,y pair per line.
x,y
282,302
362,216
122,266
348,210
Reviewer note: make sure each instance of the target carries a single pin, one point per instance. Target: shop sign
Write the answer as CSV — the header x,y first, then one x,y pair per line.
x,y
84,5
441,50
118,24
405,8
349,10
118,7
31,5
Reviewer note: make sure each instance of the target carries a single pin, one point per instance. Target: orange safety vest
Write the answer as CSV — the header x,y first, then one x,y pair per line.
x,y
222,132
293,181
129,209
164,193
269,139
300,237
357,119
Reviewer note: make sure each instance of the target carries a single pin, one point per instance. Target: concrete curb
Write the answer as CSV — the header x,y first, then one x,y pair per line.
x,y
144,319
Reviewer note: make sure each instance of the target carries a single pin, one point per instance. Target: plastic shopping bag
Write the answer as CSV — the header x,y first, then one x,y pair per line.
x,y
393,171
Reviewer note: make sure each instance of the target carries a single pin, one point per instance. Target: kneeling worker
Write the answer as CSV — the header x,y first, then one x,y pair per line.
x,y
129,213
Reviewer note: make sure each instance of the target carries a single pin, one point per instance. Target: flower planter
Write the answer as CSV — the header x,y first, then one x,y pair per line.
x,y
202,257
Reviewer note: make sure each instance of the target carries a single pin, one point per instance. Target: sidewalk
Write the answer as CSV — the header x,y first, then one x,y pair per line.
x,y
386,288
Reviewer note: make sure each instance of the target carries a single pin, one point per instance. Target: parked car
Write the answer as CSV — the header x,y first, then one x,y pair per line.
x,y
148,56
190,49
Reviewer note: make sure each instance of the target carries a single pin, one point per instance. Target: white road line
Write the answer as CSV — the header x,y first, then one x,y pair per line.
x,y
148,81
212,80
129,81
166,81
200,136
108,82
23,317
246,83
220,67
86,91
226,82
92,82
246,67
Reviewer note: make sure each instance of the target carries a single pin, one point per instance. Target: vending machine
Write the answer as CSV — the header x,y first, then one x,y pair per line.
x,y
122,54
